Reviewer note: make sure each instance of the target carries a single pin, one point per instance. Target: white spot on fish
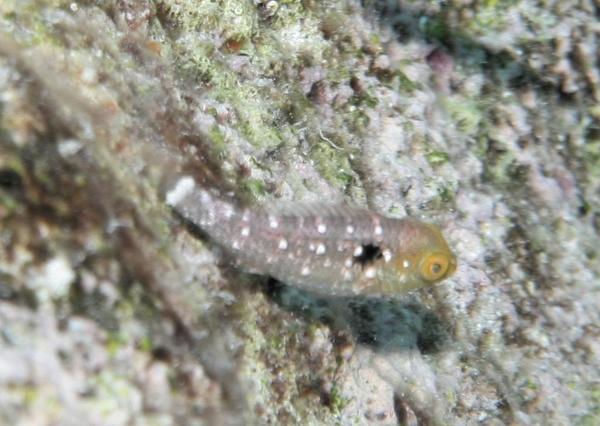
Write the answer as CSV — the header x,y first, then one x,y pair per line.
x,y
228,211
377,229
235,244
311,246
387,255
273,223
346,274
370,273
245,231
350,229
182,189
320,249
321,228
283,244
348,263
305,270
358,250
246,216
406,264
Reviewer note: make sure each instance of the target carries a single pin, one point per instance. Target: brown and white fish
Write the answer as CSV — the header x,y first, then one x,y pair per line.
x,y
333,250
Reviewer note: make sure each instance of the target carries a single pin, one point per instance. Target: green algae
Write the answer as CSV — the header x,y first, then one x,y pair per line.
x,y
256,188
337,401
591,419
273,352
333,164
437,158
231,19
466,113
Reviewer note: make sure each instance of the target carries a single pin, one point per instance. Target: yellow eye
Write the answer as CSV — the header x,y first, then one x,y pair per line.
x,y
434,267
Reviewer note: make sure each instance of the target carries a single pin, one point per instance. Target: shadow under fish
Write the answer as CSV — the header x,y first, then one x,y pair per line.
x,y
383,324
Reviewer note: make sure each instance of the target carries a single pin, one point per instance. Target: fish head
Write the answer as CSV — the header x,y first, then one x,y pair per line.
x,y
421,257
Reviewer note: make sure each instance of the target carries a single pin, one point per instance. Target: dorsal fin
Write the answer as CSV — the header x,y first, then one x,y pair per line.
x,y
316,208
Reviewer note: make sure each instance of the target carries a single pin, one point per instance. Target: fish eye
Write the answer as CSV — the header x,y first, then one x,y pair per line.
x,y
434,266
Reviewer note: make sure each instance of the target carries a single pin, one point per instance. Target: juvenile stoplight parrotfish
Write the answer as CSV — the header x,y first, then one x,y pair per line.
x,y
332,250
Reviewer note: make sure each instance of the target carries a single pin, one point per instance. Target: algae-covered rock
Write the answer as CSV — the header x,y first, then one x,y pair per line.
x,y
480,116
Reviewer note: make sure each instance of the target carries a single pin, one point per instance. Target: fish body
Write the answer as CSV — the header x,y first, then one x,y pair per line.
x,y
333,250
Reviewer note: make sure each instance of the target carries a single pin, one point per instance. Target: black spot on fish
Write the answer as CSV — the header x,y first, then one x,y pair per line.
x,y
370,254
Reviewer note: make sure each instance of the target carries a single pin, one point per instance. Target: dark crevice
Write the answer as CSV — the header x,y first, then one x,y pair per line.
x,y
10,180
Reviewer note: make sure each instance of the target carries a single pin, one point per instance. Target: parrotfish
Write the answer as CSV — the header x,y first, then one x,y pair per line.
x,y
332,250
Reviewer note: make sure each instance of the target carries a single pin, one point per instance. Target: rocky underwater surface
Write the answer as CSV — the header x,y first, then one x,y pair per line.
x,y
482,117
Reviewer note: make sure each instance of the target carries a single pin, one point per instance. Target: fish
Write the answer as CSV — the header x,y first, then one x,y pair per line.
x,y
333,250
